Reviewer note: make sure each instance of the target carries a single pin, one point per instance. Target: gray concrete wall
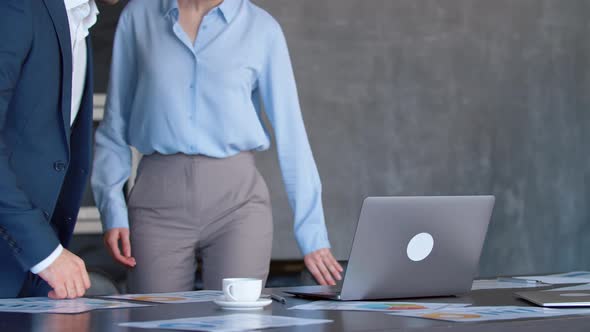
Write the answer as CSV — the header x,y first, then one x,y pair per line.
x,y
405,97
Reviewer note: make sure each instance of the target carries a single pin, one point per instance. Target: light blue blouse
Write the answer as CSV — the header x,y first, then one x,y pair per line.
x,y
168,95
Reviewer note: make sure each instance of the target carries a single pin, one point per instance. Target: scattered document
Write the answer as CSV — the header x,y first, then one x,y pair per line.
x,y
480,314
230,323
584,287
576,277
503,283
179,297
375,306
46,305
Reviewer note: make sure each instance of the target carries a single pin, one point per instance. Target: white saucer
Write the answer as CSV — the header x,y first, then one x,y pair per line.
x,y
250,305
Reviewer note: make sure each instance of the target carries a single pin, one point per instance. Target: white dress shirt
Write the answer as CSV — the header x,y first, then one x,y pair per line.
x,y
81,16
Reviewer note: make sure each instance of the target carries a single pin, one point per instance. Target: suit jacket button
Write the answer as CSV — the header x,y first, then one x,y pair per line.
x,y
46,214
59,166
69,219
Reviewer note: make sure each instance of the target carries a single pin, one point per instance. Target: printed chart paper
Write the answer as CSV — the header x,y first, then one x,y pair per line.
x,y
576,277
47,305
480,314
375,306
229,323
500,284
584,287
179,297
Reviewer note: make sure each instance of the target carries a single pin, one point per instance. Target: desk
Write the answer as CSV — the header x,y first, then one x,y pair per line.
x,y
106,320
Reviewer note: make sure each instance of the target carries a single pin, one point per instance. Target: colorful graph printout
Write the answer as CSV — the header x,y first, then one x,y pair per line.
x,y
479,314
584,287
500,284
229,323
579,277
375,306
47,305
179,297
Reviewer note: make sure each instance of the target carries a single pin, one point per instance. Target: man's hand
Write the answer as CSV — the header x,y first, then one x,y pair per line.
x,y
111,241
67,276
323,266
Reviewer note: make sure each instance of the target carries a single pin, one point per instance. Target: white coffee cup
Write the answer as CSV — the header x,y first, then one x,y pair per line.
x,y
242,289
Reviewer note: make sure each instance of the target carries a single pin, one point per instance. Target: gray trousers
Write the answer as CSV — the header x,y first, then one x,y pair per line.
x,y
183,205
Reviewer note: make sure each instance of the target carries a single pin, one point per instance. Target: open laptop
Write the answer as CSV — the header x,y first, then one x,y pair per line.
x,y
412,247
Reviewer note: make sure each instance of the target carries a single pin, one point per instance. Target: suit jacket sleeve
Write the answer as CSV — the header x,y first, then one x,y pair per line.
x,y
23,228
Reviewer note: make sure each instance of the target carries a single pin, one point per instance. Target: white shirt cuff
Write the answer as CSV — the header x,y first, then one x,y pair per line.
x,y
47,261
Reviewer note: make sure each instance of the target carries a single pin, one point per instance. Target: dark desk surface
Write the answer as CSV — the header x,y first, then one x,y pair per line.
x,y
106,320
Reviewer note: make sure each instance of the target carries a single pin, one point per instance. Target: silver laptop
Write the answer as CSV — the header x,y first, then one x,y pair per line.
x,y
550,298
412,247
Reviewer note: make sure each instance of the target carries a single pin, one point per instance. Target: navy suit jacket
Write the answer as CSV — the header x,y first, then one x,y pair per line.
x,y
44,163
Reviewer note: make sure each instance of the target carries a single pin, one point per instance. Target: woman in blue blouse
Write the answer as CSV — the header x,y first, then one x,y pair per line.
x,y
187,82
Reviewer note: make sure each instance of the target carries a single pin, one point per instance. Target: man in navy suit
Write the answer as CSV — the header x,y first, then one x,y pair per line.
x,y
45,143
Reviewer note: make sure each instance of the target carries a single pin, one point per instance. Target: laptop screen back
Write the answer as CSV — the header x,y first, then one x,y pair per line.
x,y
416,246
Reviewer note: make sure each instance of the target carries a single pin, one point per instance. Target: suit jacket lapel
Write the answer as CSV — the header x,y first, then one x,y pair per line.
x,y
88,97
57,11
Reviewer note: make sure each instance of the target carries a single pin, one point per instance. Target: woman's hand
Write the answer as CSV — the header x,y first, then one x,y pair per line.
x,y
111,241
323,266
